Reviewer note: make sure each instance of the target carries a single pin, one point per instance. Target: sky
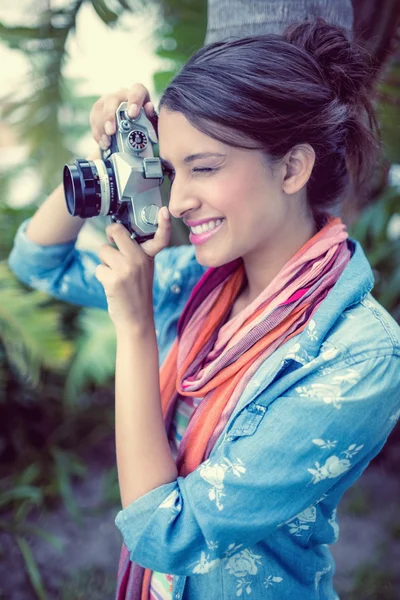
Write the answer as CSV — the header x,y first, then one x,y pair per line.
x,y
104,58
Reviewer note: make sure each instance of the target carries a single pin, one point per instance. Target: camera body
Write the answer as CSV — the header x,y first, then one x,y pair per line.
x,y
125,183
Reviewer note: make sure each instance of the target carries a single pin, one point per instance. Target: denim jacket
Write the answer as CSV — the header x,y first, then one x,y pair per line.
x,y
256,519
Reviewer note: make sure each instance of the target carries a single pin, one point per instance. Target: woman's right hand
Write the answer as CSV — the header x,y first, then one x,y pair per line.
x,y
102,116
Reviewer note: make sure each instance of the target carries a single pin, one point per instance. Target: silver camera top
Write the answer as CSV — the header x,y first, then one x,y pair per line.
x,y
137,173
125,183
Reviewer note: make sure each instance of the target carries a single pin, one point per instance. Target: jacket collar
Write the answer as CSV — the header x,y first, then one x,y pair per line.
x,y
356,281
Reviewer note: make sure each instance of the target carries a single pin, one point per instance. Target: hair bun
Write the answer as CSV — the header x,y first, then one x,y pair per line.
x,y
344,66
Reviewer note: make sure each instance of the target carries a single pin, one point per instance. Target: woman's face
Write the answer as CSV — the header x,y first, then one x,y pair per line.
x,y
212,180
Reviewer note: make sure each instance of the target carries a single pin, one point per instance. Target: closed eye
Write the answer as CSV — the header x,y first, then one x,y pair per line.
x,y
170,173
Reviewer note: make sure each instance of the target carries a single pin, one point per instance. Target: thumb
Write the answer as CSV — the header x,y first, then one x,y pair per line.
x,y
162,236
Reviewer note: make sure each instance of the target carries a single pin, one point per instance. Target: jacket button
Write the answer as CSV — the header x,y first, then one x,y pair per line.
x,y
175,289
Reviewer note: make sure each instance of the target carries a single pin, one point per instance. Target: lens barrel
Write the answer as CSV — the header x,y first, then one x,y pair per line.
x,y
89,190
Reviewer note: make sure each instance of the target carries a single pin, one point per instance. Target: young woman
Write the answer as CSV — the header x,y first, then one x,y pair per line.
x,y
279,371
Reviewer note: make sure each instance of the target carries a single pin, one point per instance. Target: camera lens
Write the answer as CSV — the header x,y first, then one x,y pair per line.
x,y
90,188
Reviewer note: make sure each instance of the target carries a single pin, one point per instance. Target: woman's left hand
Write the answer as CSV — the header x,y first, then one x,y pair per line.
x,y
127,272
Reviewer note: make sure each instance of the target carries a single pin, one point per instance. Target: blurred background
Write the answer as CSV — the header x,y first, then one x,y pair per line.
x,y
58,485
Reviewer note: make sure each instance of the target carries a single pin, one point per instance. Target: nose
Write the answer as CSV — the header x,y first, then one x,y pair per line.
x,y
181,200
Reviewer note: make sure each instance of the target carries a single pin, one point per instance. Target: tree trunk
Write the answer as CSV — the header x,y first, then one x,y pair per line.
x,y
240,18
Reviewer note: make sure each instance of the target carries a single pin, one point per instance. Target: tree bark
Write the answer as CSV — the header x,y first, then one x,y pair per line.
x,y
240,18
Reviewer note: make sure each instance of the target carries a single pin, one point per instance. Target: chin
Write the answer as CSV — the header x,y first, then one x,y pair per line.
x,y
213,259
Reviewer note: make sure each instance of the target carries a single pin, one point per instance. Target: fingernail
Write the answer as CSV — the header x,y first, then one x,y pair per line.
x,y
165,213
104,142
132,110
109,128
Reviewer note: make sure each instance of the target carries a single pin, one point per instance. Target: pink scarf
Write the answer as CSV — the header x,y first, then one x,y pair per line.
x,y
214,358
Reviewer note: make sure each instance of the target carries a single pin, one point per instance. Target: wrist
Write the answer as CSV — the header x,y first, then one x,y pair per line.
x,y
133,331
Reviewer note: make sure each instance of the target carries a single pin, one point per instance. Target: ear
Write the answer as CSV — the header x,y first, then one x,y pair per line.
x,y
299,162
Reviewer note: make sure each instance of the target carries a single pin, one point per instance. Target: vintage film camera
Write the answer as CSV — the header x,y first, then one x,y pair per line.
x,y
125,184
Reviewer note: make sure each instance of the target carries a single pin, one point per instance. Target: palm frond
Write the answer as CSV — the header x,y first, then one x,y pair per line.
x,y
29,330
94,361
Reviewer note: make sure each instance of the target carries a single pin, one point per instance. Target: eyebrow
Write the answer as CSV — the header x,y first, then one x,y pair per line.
x,y
192,157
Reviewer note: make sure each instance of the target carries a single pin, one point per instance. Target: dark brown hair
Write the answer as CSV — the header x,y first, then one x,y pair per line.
x,y
272,92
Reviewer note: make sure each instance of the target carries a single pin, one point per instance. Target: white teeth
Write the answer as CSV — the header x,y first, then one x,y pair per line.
x,y
206,226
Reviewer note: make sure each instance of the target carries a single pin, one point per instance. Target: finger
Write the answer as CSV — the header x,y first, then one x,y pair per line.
x,y
138,96
149,109
110,257
110,105
162,236
96,121
102,273
118,234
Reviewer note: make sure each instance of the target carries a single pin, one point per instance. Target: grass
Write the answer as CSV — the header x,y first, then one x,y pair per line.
x,y
358,503
394,530
372,583
88,584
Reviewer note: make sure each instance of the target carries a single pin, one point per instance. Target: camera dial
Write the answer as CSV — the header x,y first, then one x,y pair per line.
x,y
137,140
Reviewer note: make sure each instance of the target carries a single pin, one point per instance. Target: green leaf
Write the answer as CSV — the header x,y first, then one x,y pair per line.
x,y
108,16
13,36
29,332
32,568
29,475
46,535
110,487
94,361
63,468
162,79
21,492
23,510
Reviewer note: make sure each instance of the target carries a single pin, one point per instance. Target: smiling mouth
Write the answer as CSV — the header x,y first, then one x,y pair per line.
x,y
205,227
199,238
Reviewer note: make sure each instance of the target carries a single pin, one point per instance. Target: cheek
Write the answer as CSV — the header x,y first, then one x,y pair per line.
x,y
229,194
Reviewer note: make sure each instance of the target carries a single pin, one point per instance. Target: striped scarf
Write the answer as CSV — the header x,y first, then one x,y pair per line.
x,y
214,358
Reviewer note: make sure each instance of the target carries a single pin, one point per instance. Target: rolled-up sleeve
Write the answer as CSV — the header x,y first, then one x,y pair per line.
x,y
321,434
60,270
68,273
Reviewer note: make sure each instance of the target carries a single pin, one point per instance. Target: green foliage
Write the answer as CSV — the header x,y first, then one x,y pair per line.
x,y
30,335
389,111
394,530
32,568
10,218
110,487
181,32
88,584
372,583
51,116
94,360
66,465
358,502
383,253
